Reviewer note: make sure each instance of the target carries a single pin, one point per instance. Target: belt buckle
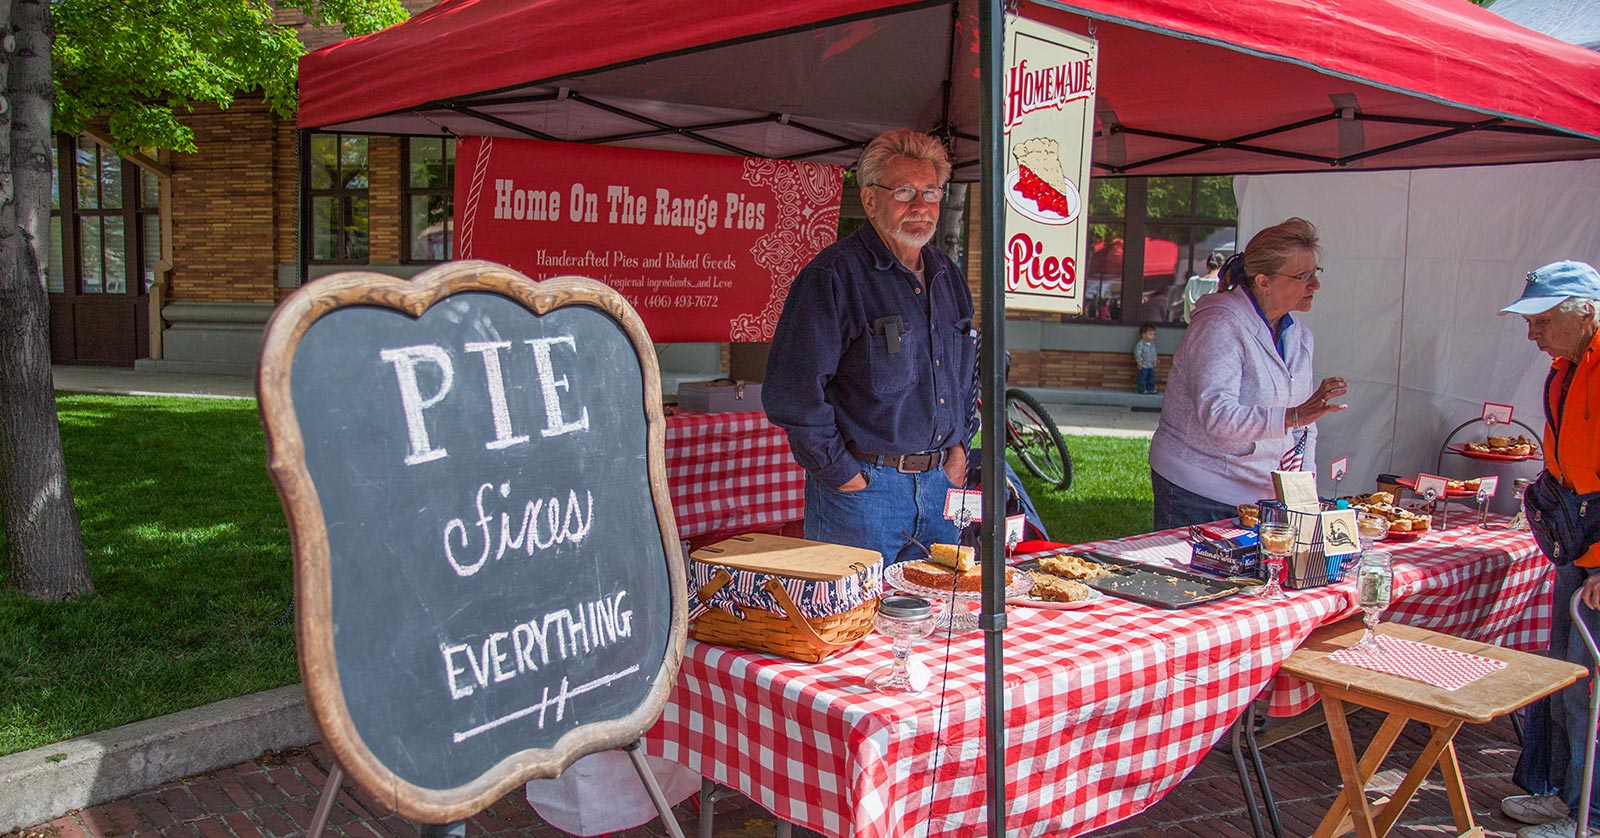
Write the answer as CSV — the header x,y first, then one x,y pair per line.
x,y
916,463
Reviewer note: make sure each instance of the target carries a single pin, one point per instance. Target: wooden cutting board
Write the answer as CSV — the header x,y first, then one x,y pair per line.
x,y
783,556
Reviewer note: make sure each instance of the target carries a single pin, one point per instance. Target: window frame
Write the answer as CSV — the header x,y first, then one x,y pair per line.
x,y
408,192
1135,225
68,213
343,197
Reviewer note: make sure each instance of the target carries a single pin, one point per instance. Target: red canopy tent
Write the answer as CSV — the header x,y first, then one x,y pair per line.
x,y
1195,88
1184,88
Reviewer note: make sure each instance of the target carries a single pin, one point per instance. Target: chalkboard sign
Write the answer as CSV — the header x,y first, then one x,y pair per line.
x,y
487,570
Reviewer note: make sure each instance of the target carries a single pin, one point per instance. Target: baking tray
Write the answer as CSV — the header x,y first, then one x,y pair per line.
x,y
1162,587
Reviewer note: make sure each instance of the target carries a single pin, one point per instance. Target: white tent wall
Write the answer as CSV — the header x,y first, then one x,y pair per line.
x,y
1418,264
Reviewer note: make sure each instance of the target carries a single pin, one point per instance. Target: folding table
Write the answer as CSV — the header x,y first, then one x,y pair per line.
x,y
1525,679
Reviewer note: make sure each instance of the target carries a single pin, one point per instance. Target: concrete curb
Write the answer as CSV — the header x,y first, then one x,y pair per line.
x,y
45,783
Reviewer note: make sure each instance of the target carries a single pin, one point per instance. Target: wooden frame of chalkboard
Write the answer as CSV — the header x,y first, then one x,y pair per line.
x,y
409,651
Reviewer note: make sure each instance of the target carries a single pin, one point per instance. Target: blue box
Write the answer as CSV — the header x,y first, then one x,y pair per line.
x,y
1236,556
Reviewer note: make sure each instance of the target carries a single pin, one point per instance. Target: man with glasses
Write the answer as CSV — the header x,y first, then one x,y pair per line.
x,y
871,370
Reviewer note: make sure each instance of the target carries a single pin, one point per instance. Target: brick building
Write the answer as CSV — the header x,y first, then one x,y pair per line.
x,y
176,261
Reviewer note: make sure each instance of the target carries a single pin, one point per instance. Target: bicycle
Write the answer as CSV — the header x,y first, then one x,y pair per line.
x,y
1033,435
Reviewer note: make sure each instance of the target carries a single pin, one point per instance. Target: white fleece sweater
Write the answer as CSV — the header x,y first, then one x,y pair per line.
x,y
1222,420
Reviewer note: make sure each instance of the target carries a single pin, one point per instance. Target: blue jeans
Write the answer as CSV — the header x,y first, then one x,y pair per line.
x,y
1176,506
1147,379
878,517
1556,732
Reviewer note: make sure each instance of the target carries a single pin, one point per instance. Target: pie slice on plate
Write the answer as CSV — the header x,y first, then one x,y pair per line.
x,y
1040,177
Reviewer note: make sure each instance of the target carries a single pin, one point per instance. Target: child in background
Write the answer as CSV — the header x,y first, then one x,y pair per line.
x,y
1144,356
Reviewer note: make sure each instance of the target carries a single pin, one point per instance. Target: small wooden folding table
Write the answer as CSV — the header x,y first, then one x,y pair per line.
x,y
1525,679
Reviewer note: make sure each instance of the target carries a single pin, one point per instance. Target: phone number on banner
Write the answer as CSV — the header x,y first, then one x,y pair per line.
x,y
680,301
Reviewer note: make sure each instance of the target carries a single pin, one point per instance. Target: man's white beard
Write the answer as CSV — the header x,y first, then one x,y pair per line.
x,y
912,239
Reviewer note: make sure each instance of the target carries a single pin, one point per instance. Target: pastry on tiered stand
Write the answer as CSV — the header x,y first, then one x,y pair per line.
x,y
948,568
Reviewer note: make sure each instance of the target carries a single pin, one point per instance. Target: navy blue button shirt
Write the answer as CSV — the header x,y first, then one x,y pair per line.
x,y
834,376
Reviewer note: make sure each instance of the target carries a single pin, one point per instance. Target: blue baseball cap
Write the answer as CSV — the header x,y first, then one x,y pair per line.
x,y
1553,283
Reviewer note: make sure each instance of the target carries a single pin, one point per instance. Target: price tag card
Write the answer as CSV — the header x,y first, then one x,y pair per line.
x,y
1431,486
1339,533
1486,487
964,506
1014,530
1495,413
1337,470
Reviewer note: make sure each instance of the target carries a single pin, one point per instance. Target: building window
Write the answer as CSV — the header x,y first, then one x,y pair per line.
x,y
339,202
427,193
1147,236
105,232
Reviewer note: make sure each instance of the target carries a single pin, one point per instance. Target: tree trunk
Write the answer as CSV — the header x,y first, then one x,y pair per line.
x,y
44,544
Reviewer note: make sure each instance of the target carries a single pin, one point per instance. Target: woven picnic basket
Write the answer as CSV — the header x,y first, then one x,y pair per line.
x,y
803,600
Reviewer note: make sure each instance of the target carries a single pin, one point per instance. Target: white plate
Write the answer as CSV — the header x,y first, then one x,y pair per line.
x,y
1025,205
1028,602
894,577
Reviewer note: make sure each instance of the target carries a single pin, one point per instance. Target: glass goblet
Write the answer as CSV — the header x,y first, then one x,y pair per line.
x,y
1374,583
904,618
1370,529
1277,544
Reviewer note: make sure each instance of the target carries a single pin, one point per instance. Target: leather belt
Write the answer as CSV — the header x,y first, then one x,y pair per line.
x,y
904,463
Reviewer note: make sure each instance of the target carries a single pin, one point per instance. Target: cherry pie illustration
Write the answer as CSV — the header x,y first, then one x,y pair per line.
x,y
1040,179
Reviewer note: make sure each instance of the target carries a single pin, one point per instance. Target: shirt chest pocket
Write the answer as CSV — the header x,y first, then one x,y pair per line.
x,y
896,356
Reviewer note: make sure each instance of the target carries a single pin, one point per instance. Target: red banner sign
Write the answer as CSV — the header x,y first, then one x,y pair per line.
x,y
704,247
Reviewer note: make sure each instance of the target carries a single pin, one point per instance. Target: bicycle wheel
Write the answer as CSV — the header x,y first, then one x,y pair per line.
x,y
1034,436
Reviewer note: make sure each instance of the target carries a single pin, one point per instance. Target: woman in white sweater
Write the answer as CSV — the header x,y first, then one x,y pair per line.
x,y
1240,400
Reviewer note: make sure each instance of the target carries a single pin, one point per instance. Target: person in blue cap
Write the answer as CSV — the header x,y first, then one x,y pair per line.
x,y
1561,303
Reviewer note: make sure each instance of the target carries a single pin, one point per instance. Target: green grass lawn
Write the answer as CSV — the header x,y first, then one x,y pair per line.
x,y
190,558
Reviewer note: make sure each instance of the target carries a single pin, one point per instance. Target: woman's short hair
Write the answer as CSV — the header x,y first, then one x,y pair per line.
x,y
902,142
1576,305
1272,248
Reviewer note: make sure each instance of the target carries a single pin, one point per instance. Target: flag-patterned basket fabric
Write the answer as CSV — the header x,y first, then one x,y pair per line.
x,y
800,619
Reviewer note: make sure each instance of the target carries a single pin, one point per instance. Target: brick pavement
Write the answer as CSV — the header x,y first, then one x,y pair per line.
x,y
274,795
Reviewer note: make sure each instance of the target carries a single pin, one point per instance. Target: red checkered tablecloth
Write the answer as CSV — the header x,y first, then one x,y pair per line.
x,y
1447,669
730,473
1109,706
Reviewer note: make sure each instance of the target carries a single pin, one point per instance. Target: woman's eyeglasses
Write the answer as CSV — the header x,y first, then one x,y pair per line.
x,y
1304,277
904,194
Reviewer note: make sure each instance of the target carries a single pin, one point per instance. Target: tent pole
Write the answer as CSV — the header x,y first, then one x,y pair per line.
x,y
991,37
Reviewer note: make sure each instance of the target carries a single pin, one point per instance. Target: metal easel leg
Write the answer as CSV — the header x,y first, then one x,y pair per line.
x,y
656,796
330,790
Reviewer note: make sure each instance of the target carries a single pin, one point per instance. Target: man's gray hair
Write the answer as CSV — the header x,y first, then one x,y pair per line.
x,y
902,142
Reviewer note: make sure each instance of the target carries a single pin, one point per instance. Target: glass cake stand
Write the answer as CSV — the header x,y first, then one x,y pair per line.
x,y
958,614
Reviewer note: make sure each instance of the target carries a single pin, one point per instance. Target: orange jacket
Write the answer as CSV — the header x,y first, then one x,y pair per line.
x,y
1573,455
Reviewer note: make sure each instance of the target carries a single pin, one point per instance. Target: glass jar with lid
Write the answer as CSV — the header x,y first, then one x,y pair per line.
x,y
905,619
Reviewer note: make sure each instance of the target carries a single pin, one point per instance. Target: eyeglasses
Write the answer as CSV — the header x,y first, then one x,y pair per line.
x,y
1314,273
904,194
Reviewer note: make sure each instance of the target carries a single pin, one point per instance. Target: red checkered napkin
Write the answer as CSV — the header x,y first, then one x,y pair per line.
x,y
1444,668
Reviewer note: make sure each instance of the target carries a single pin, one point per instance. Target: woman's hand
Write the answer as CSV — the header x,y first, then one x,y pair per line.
x,y
1320,404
